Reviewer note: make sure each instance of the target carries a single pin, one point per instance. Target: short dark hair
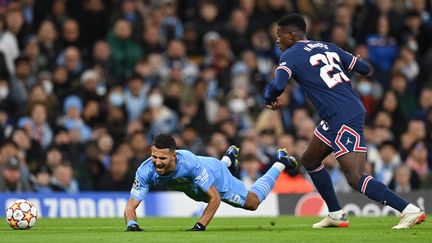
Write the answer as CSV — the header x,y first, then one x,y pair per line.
x,y
295,20
164,141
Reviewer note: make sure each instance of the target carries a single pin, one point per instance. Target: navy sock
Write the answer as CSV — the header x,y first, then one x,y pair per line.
x,y
324,186
379,192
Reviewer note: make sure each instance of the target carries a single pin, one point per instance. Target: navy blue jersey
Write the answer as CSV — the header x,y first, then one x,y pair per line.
x,y
322,70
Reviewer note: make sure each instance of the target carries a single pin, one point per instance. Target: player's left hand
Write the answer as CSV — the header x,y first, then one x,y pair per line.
x,y
197,227
274,105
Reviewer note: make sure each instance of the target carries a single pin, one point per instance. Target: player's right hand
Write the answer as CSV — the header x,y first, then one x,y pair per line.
x,y
274,105
133,227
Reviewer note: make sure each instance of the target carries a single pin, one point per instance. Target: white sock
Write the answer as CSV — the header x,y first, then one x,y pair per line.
x,y
279,166
410,208
226,160
336,214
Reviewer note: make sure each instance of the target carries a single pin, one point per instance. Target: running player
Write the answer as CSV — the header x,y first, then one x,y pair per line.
x,y
322,70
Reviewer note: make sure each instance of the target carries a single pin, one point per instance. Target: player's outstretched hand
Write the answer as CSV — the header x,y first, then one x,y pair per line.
x,y
133,227
274,105
197,227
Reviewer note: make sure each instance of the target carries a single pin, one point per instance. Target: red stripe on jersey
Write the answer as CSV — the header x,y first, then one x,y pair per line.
x,y
353,62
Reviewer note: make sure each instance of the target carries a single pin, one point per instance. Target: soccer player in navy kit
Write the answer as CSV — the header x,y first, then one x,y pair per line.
x,y
322,70
201,178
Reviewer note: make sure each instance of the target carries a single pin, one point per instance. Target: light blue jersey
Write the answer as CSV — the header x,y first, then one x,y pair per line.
x,y
193,175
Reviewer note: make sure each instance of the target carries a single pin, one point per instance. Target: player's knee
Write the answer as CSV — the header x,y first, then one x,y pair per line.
x,y
253,206
252,202
353,179
308,162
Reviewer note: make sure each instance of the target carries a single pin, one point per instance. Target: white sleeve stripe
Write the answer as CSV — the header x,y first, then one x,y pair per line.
x,y
286,69
353,62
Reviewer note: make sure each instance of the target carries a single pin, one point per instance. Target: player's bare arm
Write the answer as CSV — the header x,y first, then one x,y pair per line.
x,y
210,210
130,215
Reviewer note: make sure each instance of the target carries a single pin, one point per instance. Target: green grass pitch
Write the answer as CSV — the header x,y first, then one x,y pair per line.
x,y
242,230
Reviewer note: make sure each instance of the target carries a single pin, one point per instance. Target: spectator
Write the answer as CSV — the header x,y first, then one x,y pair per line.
x,y
118,178
238,32
387,162
129,11
94,20
105,147
72,119
8,46
163,120
250,169
4,94
140,148
42,132
16,24
11,179
124,51
407,101
71,35
63,179
383,49
135,97
417,159
21,83
404,180
101,60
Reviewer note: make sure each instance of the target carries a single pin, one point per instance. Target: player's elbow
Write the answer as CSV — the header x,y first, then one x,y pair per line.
x,y
217,199
363,68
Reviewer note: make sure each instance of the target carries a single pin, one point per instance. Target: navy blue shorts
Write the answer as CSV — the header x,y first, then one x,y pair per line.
x,y
343,138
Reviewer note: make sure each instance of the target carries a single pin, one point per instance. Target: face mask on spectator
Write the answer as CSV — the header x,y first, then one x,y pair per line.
x,y
155,101
237,105
4,92
48,87
116,99
364,88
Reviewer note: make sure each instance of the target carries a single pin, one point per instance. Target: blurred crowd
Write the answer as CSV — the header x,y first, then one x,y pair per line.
x,y
85,85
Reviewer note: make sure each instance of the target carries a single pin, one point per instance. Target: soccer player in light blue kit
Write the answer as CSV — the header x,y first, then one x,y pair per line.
x,y
201,178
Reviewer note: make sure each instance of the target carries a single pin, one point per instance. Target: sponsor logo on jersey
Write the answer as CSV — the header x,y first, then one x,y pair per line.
x,y
203,177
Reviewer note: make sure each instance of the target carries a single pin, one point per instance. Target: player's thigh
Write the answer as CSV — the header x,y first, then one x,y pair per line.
x,y
350,151
353,166
236,194
319,148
